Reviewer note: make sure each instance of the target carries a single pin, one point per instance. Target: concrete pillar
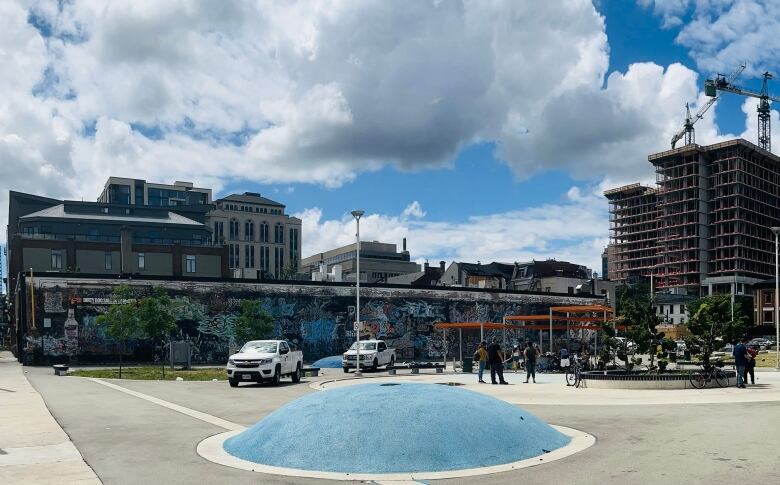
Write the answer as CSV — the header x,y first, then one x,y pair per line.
x,y
125,250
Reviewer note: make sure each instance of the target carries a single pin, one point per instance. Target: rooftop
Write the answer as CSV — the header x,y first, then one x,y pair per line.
x,y
250,198
58,212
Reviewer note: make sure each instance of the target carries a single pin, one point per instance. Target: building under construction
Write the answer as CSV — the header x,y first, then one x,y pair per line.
x,y
705,227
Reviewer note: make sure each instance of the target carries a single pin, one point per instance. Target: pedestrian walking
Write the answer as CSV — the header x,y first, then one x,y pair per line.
x,y
516,358
740,361
481,356
564,358
530,354
750,368
496,359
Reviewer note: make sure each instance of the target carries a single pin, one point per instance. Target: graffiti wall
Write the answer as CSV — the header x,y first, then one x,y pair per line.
x,y
319,319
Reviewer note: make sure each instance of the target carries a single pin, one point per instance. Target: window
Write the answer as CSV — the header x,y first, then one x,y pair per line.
x,y
768,317
265,258
249,256
279,234
283,347
263,231
682,309
219,231
92,235
141,261
191,267
767,297
294,247
233,228
278,262
249,231
571,290
233,255
56,259
107,259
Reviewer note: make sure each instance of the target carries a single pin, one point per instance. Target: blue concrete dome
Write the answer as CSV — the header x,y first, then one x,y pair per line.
x,y
332,362
395,428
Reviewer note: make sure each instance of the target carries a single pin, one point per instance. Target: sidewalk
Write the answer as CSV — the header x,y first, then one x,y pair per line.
x,y
33,447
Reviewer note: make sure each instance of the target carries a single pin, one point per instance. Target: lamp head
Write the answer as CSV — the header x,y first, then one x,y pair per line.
x,y
776,230
359,212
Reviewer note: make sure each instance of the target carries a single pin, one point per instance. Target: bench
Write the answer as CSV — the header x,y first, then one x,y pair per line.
x,y
416,366
311,371
60,369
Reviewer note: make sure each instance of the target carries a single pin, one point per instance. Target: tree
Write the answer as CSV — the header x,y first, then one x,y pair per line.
x,y
638,315
155,320
253,323
122,319
711,325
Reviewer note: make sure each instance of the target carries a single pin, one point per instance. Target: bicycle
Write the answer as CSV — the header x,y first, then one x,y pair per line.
x,y
573,377
701,378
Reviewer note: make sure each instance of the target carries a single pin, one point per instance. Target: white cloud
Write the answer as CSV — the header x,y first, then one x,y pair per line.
x,y
576,231
414,210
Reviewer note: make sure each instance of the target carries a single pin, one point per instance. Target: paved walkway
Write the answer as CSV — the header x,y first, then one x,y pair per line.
x,y
33,447
550,390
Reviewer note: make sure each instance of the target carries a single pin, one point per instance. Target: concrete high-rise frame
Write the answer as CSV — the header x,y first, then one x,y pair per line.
x,y
711,213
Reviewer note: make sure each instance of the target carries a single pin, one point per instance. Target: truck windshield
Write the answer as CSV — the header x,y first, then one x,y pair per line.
x,y
364,346
257,347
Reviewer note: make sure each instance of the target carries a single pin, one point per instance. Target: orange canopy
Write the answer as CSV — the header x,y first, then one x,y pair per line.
x,y
555,318
582,309
468,325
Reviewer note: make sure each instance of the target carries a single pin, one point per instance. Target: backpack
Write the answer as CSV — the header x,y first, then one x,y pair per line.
x,y
476,355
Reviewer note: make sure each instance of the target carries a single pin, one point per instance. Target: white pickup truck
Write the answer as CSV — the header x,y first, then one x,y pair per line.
x,y
373,354
265,361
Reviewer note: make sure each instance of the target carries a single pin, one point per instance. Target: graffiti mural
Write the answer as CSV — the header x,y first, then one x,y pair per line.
x,y
316,318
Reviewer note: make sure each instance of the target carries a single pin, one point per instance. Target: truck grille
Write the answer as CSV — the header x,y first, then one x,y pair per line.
x,y
245,364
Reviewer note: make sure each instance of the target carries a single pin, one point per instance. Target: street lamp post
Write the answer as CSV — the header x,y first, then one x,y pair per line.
x,y
357,214
776,231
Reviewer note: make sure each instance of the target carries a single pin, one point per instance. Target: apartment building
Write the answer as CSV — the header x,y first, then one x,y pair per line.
x,y
705,227
262,241
62,236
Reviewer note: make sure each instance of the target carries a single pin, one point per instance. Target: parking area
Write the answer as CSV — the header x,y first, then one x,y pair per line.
x,y
147,431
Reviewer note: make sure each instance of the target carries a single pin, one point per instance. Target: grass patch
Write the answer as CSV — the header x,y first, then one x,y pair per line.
x,y
152,373
762,360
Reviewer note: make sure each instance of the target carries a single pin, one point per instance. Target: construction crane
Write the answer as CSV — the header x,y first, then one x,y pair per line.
x,y
687,130
721,83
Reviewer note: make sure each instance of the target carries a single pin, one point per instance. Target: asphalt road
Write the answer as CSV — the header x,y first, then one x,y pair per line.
x,y
128,440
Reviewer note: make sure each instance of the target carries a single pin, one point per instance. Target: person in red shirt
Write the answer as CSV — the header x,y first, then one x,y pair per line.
x,y
751,366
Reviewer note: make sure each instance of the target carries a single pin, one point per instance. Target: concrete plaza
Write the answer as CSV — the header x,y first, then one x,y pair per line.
x,y
147,431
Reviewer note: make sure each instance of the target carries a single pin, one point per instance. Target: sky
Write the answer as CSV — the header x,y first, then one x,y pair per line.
x,y
479,130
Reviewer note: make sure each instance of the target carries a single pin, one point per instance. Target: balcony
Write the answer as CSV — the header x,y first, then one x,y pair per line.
x,y
116,239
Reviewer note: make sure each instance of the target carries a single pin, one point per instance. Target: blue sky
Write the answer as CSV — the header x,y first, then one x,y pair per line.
x,y
479,131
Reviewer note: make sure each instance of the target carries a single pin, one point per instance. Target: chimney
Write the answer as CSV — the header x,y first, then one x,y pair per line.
x,y
441,265
404,245
425,266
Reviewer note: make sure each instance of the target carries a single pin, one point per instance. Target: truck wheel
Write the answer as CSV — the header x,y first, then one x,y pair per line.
x,y
296,377
233,382
346,370
374,365
277,375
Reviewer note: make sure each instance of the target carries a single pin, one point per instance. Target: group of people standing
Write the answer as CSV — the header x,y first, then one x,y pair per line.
x,y
494,355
